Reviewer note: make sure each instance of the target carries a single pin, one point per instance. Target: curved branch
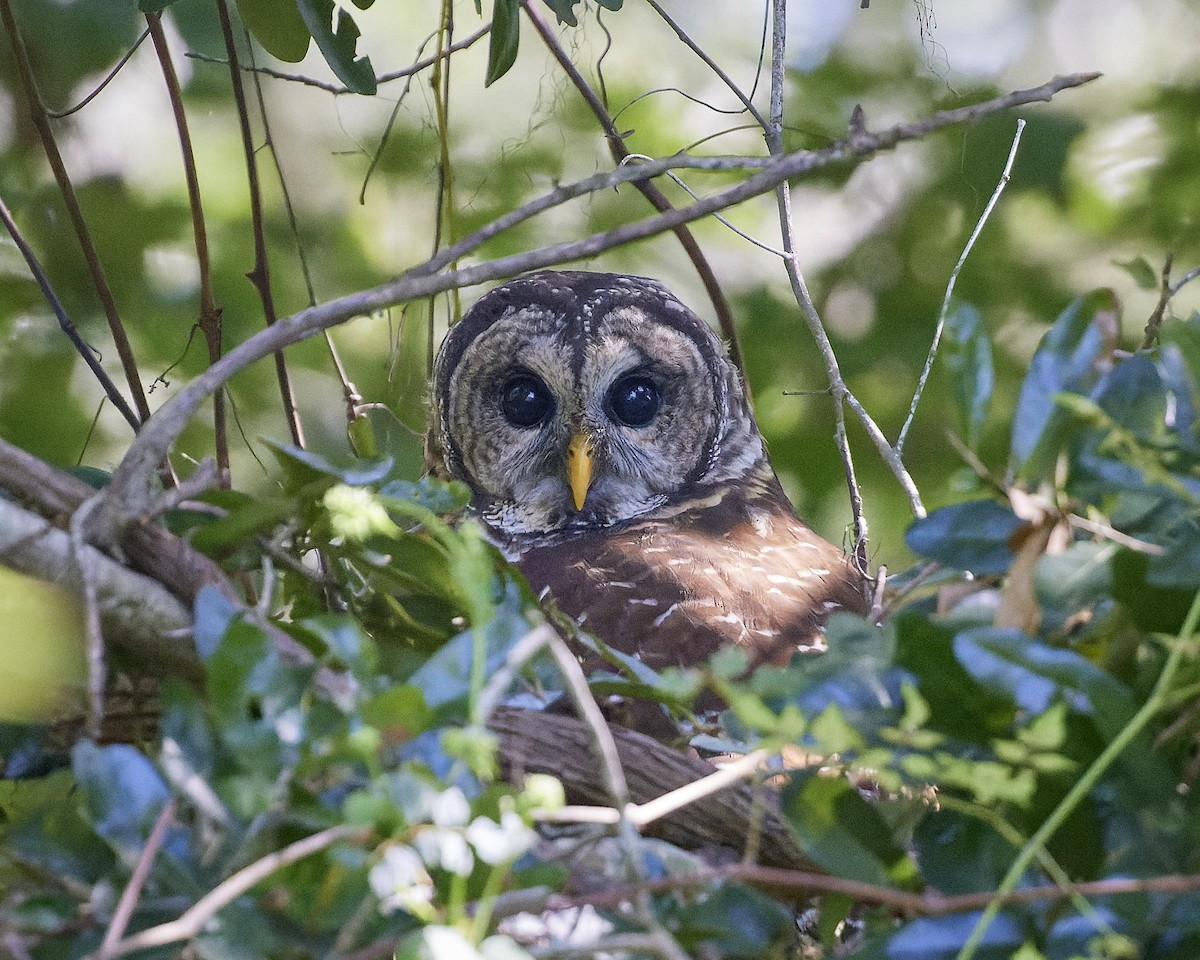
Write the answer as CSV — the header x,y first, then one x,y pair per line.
x,y
129,494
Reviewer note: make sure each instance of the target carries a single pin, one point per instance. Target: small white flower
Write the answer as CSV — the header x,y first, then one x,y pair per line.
x,y
445,848
501,842
451,809
400,881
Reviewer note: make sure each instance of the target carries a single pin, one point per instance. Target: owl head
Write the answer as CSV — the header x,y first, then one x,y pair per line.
x,y
571,401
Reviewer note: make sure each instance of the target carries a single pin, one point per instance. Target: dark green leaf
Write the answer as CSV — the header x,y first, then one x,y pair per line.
x,y
968,353
445,677
563,10
735,921
122,792
345,642
185,726
303,467
1143,274
278,26
339,46
941,938
505,37
153,6
1069,358
959,853
1159,609
972,536
958,704
842,832
431,493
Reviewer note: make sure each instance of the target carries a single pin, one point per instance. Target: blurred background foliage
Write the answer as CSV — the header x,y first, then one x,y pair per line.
x,y
1106,174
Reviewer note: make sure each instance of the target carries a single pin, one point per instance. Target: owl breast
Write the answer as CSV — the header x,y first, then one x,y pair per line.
x,y
672,591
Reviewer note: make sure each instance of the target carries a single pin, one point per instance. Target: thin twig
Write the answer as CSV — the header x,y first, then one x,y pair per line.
x,y
1154,323
210,316
108,78
65,323
643,814
260,275
583,701
1184,280
191,922
928,904
129,492
747,102
1107,532
137,879
41,121
945,311
657,199
336,90
1167,290
808,309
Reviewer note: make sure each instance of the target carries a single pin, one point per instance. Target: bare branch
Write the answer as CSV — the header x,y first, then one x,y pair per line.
x,y
193,920
808,309
941,321
210,317
129,493
65,323
134,609
137,879
658,200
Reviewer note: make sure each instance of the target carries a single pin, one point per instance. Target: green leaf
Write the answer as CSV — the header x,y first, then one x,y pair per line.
x,y
972,536
445,677
400,708
302,468
968,352
361,434
122,792
1157,609
563,10
960,854
505,37
735,921
339,46
346,642
278,25
842,832
1070,357
1143,274
153,6
958,705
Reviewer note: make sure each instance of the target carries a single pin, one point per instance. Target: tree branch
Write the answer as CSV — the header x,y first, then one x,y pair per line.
x,y
130,491
657,199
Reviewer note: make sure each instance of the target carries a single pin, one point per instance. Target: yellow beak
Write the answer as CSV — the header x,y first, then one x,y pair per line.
x,y
579,468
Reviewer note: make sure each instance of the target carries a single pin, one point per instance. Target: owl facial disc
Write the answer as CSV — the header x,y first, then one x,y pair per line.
x,y
575,401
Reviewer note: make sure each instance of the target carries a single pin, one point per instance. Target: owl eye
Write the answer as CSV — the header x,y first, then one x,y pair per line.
x,y
634,401
525,400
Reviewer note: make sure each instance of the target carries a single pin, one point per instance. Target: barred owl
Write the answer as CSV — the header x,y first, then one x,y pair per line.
x,y
612,453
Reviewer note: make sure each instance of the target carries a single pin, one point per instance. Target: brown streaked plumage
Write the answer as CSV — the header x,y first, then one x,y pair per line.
x,y
612,453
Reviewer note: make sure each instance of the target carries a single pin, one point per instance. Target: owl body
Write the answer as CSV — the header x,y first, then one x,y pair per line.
x,y
612,453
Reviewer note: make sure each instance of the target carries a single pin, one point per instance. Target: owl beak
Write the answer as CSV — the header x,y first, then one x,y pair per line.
x,y
579,468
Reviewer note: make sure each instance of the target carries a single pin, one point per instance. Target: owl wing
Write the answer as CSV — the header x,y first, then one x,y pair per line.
x,y
672,591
